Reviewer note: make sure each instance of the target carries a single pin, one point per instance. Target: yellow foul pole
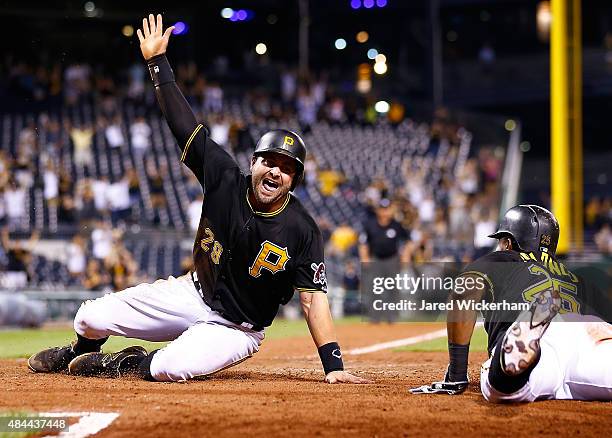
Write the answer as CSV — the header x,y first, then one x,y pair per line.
x,y
576,126
559,98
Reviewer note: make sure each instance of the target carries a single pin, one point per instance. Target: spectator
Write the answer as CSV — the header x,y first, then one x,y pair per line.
x,y
335,111
485,224
319,90
133,188
427,209
114,134
306,108
27,140
219,130
2,208
15,204
66,185
121,267
141,135
194,212
19,258
310,171
342,239
603,240
288,85
156,184
213,98
591,212
194,189
102,240
118,201
82,137
85,203
95,277
136,84
51,183
99,188
329,180
76,82
75,259
24,170
67,212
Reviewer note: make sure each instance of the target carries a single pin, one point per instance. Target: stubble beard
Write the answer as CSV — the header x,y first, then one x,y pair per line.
x,y
264,200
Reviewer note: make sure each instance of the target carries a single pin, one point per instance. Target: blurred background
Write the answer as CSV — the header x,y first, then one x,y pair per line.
x,y
425,120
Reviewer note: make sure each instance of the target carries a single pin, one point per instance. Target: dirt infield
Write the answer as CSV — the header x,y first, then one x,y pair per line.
x,y
279,392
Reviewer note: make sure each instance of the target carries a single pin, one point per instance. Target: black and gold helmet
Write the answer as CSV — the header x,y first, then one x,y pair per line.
x,y
282,141
531,228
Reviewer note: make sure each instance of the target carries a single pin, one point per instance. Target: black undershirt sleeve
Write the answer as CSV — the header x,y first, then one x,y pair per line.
x,y
174,106
206,159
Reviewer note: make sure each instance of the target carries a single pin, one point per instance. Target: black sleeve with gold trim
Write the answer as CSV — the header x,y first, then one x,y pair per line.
x,y
504,277
310,275
206,159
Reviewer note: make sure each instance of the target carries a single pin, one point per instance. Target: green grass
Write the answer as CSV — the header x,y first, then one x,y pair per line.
x,y
23,343
478,343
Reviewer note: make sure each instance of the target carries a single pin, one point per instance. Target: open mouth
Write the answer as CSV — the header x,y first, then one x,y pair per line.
x,y
270,185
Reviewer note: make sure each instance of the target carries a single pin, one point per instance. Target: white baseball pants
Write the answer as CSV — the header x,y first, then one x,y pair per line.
x,y
203,342
575,364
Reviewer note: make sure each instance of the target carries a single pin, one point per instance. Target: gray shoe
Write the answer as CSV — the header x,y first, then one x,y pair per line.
x,y
521,344
108,364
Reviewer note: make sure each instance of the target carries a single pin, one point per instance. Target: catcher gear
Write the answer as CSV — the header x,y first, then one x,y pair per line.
x,y
445,387
282,141
110,364
531,228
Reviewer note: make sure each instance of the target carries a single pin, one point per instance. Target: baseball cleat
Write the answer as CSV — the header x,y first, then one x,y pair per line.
x,y
521,344
108,364
52,360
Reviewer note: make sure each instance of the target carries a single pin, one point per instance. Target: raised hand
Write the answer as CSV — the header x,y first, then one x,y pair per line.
x,y
152,41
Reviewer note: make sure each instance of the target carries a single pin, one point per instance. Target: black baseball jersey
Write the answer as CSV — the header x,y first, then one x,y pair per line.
x,y
383,241
249,262
515,277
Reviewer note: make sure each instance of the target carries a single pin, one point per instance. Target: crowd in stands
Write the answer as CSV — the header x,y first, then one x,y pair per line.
x,y
598,219
102,160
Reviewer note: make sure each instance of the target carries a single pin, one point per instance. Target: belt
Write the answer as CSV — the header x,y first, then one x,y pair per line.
x,y
198,286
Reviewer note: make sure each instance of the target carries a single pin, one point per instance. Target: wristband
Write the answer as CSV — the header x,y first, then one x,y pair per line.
x,y
160,70
331,357
457,368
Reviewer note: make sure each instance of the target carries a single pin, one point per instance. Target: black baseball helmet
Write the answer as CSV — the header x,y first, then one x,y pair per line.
x,y
282,141
531,228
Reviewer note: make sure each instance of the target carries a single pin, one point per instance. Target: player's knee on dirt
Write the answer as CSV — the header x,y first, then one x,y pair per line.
x,y
89,322
165,368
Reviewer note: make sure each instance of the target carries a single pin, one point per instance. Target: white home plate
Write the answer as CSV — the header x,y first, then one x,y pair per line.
x,y
89,423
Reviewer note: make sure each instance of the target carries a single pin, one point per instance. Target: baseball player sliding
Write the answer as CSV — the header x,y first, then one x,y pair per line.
x,y
561,348
255,245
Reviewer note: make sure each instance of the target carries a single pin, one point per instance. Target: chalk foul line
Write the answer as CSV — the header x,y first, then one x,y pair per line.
x,y
398,342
